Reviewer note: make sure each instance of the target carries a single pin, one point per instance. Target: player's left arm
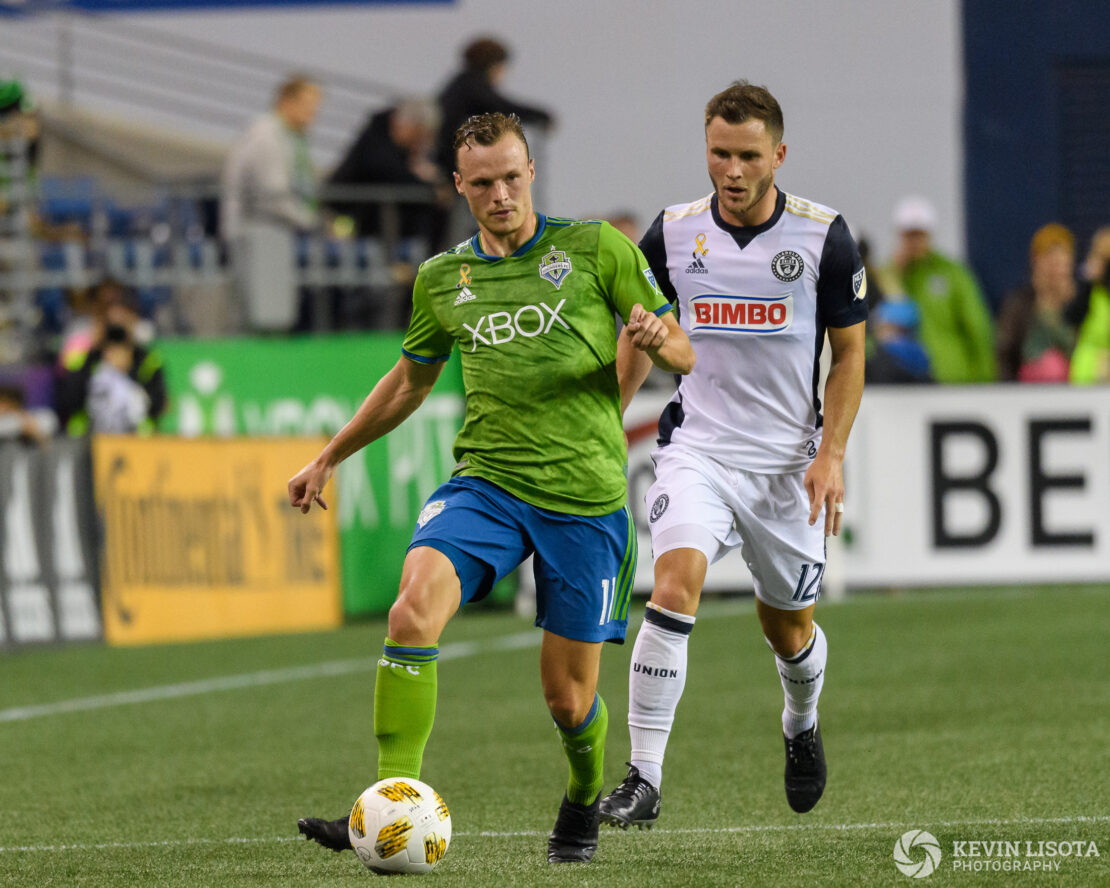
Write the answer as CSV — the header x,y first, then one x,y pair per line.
x,y
842,304
824,480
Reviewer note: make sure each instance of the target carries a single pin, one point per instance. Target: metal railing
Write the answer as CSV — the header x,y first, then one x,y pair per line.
x,y
90,60
156,241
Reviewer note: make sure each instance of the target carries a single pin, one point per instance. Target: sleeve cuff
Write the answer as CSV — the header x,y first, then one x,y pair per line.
x,y
421,359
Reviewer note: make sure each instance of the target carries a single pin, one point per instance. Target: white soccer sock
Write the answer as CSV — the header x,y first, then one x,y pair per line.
x,y
656,678
802,677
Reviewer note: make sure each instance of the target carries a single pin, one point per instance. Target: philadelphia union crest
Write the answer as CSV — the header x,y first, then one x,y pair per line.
x,y
555,267
659,507
787,266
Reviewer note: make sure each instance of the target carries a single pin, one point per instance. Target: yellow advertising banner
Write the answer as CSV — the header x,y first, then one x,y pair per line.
x,y
200,540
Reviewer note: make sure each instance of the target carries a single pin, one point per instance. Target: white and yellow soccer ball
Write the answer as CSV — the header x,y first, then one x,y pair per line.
x,y
400,825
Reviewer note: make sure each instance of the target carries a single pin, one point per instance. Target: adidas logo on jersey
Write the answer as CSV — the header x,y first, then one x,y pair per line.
x,y
465,296
700,249
741,314
697,266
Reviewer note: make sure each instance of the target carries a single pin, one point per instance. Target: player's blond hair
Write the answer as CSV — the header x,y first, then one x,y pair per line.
x,y
743,101
488,129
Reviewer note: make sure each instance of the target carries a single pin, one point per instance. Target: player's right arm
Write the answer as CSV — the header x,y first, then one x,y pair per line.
x,y
391,401
651,335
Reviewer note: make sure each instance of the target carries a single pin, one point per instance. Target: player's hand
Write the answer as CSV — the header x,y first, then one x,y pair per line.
x,y
644,329
306,486
824,482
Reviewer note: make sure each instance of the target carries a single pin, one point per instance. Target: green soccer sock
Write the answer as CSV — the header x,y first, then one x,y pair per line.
x,y
585,750
404,707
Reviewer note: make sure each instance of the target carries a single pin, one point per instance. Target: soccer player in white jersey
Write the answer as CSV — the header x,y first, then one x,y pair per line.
x,y
746,458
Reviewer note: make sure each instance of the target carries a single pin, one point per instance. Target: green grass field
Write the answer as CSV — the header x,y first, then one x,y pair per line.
x,y
974,714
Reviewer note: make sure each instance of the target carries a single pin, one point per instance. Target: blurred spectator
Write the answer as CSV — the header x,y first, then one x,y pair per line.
x,y
117,385
955,326
268,196
19,424
1037,322
19,120
895,356
474,91
1090,362
268,173
1098,256
395,148
89,311
626,222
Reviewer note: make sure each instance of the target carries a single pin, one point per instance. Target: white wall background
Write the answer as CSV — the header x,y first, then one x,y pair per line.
x,y
871,90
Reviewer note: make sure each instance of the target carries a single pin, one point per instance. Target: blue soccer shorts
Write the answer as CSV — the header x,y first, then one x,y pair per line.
x,y
584,566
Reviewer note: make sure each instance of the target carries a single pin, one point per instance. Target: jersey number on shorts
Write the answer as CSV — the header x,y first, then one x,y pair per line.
x,y
808,591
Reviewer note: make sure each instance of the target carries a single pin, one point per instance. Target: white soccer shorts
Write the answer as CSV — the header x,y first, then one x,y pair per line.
x,y
697,503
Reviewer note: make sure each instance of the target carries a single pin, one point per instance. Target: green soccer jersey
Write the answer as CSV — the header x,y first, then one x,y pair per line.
x,y
537,337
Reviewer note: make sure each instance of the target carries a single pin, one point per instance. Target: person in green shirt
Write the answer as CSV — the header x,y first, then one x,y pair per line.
x,y
529,300
1090,362
955,327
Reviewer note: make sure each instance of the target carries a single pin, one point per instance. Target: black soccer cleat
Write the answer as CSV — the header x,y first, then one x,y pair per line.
x,y
805,769
634,802
574,838
329,833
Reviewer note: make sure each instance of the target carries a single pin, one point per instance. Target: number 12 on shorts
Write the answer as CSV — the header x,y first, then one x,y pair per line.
x,y
608,600
809,583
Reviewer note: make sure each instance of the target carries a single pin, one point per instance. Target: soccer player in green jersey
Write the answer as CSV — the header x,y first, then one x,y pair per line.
x,y
541,457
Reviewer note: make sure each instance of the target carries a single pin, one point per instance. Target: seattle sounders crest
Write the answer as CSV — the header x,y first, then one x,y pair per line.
x,y
555,267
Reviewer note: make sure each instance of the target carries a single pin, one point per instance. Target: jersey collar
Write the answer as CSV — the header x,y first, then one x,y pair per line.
x,y
476,242
745,234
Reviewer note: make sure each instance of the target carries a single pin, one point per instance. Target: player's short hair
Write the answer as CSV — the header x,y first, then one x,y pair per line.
x,y
488,129
293,86
743,101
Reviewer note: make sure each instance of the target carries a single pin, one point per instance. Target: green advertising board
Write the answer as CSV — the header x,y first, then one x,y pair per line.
x,y
312,386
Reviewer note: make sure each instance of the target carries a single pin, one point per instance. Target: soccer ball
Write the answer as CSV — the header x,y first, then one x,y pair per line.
x,y
400,825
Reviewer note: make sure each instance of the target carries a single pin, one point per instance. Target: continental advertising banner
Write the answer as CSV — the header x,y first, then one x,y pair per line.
x,y
200,541
312,386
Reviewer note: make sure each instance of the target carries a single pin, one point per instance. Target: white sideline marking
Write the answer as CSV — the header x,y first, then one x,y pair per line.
x,y
452,651
838,827
753,828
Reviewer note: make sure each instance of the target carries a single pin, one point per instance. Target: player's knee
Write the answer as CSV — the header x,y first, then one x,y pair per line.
x,y
413,619
569,706
676,593
787,637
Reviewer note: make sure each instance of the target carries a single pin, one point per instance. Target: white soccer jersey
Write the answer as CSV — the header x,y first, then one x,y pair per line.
x,y
755,302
